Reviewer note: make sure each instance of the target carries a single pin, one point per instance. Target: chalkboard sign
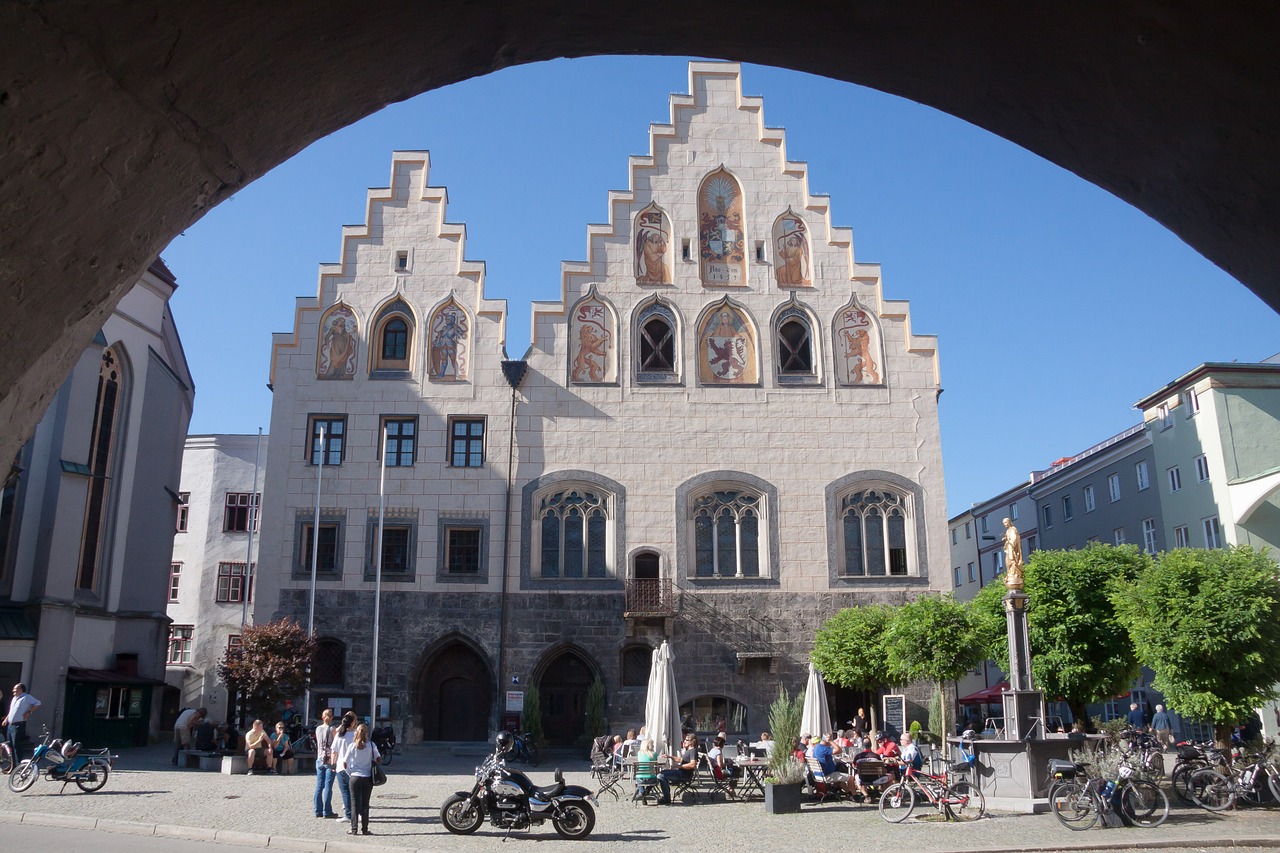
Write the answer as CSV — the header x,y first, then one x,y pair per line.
x,y
895,713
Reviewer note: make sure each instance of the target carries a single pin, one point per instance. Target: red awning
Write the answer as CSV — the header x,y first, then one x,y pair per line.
x,y
982,697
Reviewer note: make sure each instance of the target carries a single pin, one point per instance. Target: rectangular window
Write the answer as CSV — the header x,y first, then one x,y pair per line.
x,y
984,525
180,638
1193,402
332,447
1144,478
1118,534
1113,486
1091,540
240,508
1202,468
402,441
959,579
232,581
1067,514
1162,414
1048,515
1089,501
1013,512
117,703
972,577
1181,537
234,643
1149,535
327,556
175,570
397,547
953,535
184,511
968,531
1175,479
1212,533
466,442
462,550
999,561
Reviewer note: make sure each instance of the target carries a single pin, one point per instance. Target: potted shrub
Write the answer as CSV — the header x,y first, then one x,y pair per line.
x,y
785,776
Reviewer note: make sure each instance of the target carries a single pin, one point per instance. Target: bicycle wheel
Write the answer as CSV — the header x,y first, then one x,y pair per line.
x,y
1144,803
1181,779
964,802
896,802
388,754
6,759
1273,782
1074,805
1211,790
23,776
531,751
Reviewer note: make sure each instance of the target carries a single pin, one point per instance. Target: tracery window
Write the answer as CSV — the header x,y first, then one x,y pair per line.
x,y
574,525
875,533
726,533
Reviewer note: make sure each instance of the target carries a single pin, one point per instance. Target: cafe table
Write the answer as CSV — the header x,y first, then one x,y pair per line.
x,y
752,776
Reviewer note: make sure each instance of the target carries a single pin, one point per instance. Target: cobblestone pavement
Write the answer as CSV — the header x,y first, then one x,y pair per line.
x,y
145,795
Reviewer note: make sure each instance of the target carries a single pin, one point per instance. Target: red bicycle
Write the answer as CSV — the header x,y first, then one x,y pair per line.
x,y
954,800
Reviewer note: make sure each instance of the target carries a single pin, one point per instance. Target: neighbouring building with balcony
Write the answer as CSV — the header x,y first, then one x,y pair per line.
x,y
210,590
722,433
85,529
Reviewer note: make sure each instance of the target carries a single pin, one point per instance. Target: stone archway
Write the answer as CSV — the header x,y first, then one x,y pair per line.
x,y
455,694
126,120
563,682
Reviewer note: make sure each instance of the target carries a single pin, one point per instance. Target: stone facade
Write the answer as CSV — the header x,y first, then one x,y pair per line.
x,y
723,433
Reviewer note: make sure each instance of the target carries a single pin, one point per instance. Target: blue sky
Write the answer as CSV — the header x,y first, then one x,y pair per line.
x,y
1056,305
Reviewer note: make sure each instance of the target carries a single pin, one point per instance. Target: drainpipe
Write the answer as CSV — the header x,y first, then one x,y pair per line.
x,y
514,371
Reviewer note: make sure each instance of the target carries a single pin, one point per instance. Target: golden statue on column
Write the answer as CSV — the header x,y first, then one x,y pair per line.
x,y
1012,556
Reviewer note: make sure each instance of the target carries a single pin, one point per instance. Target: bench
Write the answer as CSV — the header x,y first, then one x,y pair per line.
x,y
234,765
286,766
211,761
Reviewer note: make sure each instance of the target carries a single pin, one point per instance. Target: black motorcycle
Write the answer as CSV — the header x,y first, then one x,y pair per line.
x,y
511,801
385,740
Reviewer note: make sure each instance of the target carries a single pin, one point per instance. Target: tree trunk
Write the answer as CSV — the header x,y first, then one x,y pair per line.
x,y
1222,735
1080,711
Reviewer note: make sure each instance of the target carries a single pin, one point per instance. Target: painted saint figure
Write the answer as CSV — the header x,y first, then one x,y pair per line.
x,y
338,346
652,241
1012,556
793,251
448,343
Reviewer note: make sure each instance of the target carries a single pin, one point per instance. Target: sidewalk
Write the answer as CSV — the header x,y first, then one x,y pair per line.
x,y
146,795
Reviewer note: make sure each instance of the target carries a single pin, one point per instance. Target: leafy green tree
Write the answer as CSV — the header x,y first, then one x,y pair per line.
x,y
1208,623
269,667
933,638
531,715
849,647
1079,649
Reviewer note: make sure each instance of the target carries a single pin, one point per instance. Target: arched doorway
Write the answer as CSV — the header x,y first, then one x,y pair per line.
x,y
455,695
563,688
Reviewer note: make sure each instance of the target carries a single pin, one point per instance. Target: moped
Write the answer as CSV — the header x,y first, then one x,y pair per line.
x,y
88,768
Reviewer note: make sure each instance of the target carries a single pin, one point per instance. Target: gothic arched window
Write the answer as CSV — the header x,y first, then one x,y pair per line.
x,y
876,533
574,527
656,345
102,442
726,534
393,338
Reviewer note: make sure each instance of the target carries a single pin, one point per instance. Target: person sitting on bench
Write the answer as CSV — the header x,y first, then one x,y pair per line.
x,y
259,746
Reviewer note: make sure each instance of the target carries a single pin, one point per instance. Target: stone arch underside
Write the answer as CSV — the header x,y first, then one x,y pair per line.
x,y
124,122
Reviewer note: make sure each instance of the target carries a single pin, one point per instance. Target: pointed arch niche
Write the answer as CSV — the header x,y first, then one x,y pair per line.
x,y
593,335
797,348
791,251
653,246
449,342
722,237
338,348
391,345
656,343
728,350
858,346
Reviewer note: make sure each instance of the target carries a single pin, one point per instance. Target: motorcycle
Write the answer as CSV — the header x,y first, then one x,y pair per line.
x,y
511,801
69,763
385,740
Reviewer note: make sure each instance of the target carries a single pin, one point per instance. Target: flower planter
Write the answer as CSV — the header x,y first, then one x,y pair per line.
x,y
782,799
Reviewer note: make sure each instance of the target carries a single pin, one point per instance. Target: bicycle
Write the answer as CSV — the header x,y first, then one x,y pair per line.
x,y
302,739
1078,804
1216,791
958,801
1193,757
7,759
524,749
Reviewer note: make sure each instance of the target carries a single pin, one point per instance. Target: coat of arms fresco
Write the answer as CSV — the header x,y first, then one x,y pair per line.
x,y
857,344
591,342
722,241
727,348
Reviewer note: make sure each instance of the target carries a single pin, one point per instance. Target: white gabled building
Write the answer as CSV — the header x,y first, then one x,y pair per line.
x,y
722,433
208,581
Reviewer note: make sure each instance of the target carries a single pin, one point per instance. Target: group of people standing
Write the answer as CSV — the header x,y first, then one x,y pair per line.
x,y
344,753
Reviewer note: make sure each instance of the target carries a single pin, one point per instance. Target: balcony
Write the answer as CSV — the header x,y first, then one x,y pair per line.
x,y
649,597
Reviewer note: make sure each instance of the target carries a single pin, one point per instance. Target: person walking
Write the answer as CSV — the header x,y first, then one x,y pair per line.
x,y
1163,727
361,755
342,738
324,765
1136,719
20,708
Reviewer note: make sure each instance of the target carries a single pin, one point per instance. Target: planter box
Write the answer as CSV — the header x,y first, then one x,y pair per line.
x,y
782,799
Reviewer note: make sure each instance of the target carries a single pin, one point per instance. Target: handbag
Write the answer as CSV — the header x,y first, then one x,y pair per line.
x,y
379,777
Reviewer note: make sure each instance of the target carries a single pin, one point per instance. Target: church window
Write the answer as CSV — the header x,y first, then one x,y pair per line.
x,y
726,532
574,527
102,442
876,533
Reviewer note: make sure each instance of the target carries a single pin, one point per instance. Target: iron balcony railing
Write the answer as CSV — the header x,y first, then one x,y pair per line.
x,y
647,596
